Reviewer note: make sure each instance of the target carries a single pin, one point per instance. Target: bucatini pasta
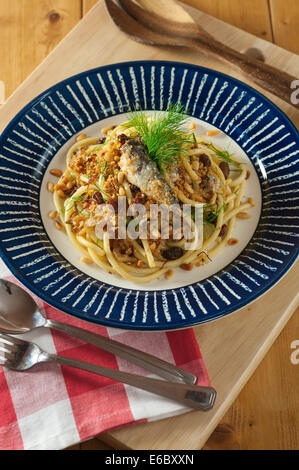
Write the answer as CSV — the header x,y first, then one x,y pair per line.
x,y
100,170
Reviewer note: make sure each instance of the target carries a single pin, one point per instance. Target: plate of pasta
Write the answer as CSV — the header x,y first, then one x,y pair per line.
x,y
149,195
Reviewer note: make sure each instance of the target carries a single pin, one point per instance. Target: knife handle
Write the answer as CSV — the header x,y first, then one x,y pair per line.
x,y
270,78
192,396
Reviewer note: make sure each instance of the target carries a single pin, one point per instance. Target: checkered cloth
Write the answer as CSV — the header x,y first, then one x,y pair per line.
x,y
53,407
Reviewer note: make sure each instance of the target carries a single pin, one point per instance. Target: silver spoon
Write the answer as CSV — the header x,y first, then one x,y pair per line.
x,y
20,314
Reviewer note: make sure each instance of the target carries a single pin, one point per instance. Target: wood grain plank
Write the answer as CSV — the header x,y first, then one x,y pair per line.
x,y
75,447
87,5
285,21
251,16
92,444
232,349
255,19
97,52
30,29
265,414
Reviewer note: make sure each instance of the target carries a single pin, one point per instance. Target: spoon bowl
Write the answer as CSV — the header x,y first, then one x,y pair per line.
x,y
165,22
19,312
164,16
140,33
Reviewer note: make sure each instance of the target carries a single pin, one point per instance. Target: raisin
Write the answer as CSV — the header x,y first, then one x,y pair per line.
x,y
205,160
223,230
134,189
97,197
224,167
140,198
102,140
113,202
122,138
173,253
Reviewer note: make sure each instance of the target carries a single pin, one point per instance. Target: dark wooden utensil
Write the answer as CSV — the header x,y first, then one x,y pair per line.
x,y
165,22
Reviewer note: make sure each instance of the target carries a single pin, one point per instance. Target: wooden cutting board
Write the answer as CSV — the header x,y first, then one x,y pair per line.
x,y
233,346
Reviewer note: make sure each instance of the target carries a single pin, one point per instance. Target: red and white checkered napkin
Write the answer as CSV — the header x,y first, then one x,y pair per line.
x,y
52,407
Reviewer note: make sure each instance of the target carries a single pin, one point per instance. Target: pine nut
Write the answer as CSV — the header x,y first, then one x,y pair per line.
x,y
139,263
122,191
81,137
251,201
232,241
215,132
243,215
120,177
53,215
69,185
50,187
56,172
58,225
192,126
168,274
61,194
86,260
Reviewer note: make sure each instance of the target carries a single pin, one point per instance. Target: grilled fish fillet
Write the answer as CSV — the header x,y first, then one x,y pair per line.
x,y
143,173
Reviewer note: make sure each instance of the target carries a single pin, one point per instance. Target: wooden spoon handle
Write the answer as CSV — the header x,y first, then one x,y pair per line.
x,y
269,78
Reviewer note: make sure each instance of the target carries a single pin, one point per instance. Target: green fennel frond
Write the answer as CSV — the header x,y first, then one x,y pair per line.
x,y
163,134
211,213
223,155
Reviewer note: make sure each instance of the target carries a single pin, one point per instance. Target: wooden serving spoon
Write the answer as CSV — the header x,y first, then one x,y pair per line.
x,y
165,22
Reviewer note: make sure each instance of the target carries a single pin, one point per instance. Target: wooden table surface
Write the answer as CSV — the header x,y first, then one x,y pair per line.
x,y
264,414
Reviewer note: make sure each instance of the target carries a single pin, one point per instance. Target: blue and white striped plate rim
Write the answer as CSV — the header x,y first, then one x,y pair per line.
x,y
34,136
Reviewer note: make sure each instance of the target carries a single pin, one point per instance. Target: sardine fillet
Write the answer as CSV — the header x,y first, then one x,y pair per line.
x,y
143,173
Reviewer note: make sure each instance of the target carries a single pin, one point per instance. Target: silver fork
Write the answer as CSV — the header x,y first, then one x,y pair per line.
x,y
20,355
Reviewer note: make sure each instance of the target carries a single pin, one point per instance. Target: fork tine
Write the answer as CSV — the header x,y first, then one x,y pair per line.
x,y
7,346
11,339
3,360
6,361
6,337
8,353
